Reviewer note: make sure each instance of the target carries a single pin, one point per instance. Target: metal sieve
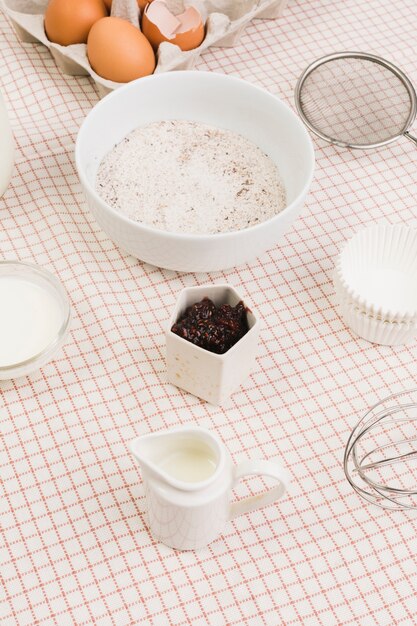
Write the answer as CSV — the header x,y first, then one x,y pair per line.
x,y
356,100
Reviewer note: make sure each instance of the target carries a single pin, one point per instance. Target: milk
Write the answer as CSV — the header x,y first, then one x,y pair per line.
x,y
188,478
30,319
192,462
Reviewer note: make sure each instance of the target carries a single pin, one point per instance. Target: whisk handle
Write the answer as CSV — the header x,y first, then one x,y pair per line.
x,y
410,137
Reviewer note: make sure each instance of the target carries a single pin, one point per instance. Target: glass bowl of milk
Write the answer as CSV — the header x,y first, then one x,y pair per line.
x,y
35,315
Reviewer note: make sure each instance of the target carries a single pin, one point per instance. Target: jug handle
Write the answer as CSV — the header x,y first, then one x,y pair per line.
x,y
258,468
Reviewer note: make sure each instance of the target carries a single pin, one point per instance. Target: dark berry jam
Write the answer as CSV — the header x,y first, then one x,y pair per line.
x,y
214,328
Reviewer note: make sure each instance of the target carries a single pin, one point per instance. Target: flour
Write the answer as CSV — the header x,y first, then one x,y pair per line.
x,y
187,177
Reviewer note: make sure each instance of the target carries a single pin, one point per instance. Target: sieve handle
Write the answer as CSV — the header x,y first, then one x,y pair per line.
x,y
410,137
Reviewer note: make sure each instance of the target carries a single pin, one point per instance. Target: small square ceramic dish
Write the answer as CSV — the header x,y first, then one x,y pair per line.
x,y
375,281
212,377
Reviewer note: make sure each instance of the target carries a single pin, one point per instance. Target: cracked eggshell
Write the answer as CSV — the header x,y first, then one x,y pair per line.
x,y
185,30
118,51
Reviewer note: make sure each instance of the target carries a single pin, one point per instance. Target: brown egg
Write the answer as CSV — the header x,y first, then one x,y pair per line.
x,y
118,51
69,21
159,24
141,4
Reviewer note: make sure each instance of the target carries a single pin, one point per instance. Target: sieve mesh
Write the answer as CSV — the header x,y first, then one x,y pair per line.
x,y
356,101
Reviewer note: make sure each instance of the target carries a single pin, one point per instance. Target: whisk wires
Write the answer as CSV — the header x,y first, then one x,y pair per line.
x,y
380,455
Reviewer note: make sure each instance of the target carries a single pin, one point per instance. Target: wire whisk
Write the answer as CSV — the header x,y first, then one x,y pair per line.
x,y
380,460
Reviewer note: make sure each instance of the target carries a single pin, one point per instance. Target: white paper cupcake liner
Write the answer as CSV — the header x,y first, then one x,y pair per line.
x,y
377,330
377,272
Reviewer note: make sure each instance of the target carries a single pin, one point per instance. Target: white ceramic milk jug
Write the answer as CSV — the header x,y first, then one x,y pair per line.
x,y
188,477
6,148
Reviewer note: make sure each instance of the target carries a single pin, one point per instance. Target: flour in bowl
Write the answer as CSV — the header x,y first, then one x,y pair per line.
x,y
187,177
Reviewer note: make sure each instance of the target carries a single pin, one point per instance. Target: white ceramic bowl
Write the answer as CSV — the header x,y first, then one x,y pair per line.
x,y
216,99
41,280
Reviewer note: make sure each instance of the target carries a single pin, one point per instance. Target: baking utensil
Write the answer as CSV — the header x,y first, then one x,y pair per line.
x,y
189,476
375,283
374,329
356,100
380,460
228,102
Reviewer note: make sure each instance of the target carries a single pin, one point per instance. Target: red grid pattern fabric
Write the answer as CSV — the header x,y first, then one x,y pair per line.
x,y
74,547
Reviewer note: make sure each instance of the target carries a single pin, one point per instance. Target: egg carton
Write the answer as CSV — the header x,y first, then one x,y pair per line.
x,y
225,22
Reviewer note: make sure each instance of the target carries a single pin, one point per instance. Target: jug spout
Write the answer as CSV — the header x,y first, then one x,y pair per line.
x,y
186,458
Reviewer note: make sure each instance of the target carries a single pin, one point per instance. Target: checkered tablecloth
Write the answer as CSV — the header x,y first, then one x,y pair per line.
x,y
74,548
